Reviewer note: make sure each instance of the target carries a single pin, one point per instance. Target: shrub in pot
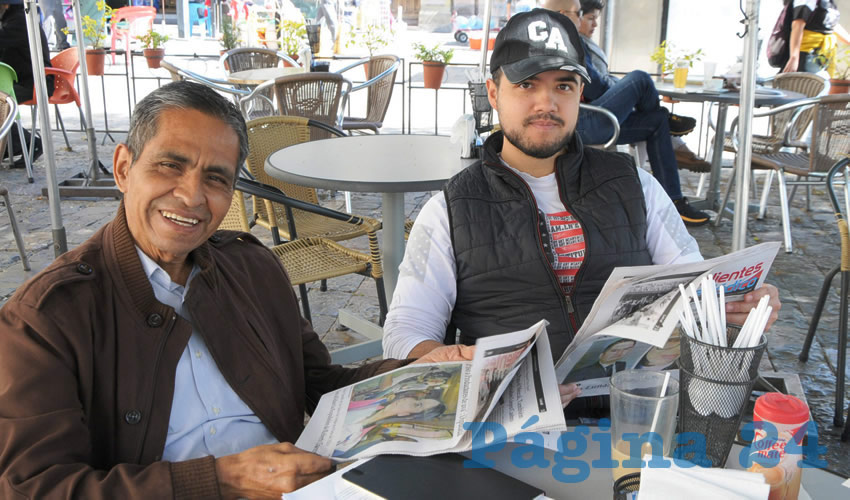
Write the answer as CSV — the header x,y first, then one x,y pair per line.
x,y
434,61
153,49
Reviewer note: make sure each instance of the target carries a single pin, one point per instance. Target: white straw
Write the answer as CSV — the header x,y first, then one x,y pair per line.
x,y
689,315
658,405
700,312
723,310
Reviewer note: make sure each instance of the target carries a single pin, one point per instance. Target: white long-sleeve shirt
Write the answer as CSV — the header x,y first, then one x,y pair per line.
x,y
427,284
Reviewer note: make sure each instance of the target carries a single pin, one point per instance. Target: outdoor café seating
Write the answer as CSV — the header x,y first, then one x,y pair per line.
x,y
310,259
830,142
8,117
127,24
267,135
381,76
243,58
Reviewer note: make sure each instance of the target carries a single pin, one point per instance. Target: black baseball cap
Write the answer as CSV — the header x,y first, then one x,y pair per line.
x,y
537,41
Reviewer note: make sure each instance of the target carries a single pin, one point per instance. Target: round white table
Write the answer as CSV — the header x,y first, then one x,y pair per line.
x,y
691,93
260,75
388,164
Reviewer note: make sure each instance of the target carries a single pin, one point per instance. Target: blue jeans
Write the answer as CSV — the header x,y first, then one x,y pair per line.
x,y
634,101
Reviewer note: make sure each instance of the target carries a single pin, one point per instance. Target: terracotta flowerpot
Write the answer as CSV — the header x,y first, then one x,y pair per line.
x,y
839,86
154,57
95,60
432,74
294,57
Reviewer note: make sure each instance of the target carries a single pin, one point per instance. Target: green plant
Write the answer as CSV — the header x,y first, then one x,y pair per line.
x,y
666,55
293,36
433,54
94,31
841,71
373,37
229,34
152,39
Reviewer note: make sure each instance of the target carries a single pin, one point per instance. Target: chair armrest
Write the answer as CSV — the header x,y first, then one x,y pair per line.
x,y
611,117
257,93
220,85
61,73
289,60
353,65
375,79
797,107
277,196
7,124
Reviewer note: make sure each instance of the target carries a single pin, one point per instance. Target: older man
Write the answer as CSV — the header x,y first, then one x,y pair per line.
x,y
535,228
161,358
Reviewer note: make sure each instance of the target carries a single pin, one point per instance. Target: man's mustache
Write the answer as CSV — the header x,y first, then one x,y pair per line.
x,y
544,116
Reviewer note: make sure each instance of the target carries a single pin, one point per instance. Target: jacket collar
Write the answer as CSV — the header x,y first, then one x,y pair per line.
x,y
130,266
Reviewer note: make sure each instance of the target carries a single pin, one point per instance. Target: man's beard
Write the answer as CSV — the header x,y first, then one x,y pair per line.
x,y
541,151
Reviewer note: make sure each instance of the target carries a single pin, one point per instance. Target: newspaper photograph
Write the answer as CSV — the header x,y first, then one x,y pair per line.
x,y
632,323
420,409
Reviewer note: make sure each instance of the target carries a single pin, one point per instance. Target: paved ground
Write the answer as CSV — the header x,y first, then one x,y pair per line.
x,y
799,275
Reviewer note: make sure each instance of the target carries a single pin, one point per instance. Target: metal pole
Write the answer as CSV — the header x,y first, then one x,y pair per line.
x,y
485,38
608,29
745,121
84,92
60,243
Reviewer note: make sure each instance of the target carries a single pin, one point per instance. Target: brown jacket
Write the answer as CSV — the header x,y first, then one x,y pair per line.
x,y
88,357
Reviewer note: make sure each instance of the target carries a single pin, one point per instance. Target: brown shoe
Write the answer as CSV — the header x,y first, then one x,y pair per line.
x,y
690,161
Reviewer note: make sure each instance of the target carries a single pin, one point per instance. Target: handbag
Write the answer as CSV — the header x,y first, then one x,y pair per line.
x,y
778,45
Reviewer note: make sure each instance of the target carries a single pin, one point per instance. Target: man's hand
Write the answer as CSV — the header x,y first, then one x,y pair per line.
x,y
448,353
269,470
568,393
736,312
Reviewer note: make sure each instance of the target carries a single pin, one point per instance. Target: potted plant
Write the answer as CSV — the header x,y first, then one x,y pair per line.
x,y
153,50
373,37
434,63
293,36
94,34
840,81
667,55
229,34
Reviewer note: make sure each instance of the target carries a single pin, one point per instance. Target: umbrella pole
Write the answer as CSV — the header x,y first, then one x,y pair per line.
x,y
485,39
745,122
84,92
60,242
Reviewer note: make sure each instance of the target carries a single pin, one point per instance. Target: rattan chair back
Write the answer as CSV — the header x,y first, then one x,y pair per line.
x,y
380,92
237,217
319,96
244,58
265,136
803,83
830,133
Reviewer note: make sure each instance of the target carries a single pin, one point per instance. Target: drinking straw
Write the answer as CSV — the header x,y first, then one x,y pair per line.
x,y
700,311
658,405
689,315
723,309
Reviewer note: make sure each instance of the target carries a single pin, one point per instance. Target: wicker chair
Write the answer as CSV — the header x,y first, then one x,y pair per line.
x,y
312,259
267,135
8,117
379,90
785,129
244,58
842,167
830,143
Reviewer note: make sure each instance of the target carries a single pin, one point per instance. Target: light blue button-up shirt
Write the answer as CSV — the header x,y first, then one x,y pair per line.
x,y
207,416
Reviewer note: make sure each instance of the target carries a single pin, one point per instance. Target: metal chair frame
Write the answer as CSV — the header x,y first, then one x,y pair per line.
x,y
614,122
7,77
274,195
375,110
842,166
8,121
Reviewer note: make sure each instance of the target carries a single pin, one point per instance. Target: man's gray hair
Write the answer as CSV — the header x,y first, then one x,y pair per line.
x,y
144,124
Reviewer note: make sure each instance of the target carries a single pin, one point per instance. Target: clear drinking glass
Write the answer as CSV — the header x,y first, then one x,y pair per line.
x,y
636,403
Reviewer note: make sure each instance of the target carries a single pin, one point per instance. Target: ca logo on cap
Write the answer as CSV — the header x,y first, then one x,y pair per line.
x,y
538,31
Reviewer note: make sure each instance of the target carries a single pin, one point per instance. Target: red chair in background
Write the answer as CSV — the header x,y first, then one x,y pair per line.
x,y
64,72
128,23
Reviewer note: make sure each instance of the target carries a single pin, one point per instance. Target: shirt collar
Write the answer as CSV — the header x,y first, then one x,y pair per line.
x,y
156,273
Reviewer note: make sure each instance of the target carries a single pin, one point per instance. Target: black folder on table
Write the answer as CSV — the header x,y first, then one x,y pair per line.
x,y
438,476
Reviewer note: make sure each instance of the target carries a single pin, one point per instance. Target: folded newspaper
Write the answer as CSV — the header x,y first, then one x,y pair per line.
x,y
632,324
421,409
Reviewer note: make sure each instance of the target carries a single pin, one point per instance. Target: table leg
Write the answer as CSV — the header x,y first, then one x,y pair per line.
x,y
393,239
711,201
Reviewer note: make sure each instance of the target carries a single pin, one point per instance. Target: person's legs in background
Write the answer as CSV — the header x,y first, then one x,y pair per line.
x,y
653,128
55,10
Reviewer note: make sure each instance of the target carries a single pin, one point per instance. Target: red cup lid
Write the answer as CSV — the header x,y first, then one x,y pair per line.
x,y
781,409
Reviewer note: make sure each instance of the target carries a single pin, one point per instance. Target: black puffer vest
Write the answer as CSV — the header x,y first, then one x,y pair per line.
x,y
505,279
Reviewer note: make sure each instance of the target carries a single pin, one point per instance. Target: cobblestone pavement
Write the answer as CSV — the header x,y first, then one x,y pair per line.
x,y
798,275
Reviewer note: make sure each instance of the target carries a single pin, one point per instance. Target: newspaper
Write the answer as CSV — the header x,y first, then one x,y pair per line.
x,y
633,323
422,409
